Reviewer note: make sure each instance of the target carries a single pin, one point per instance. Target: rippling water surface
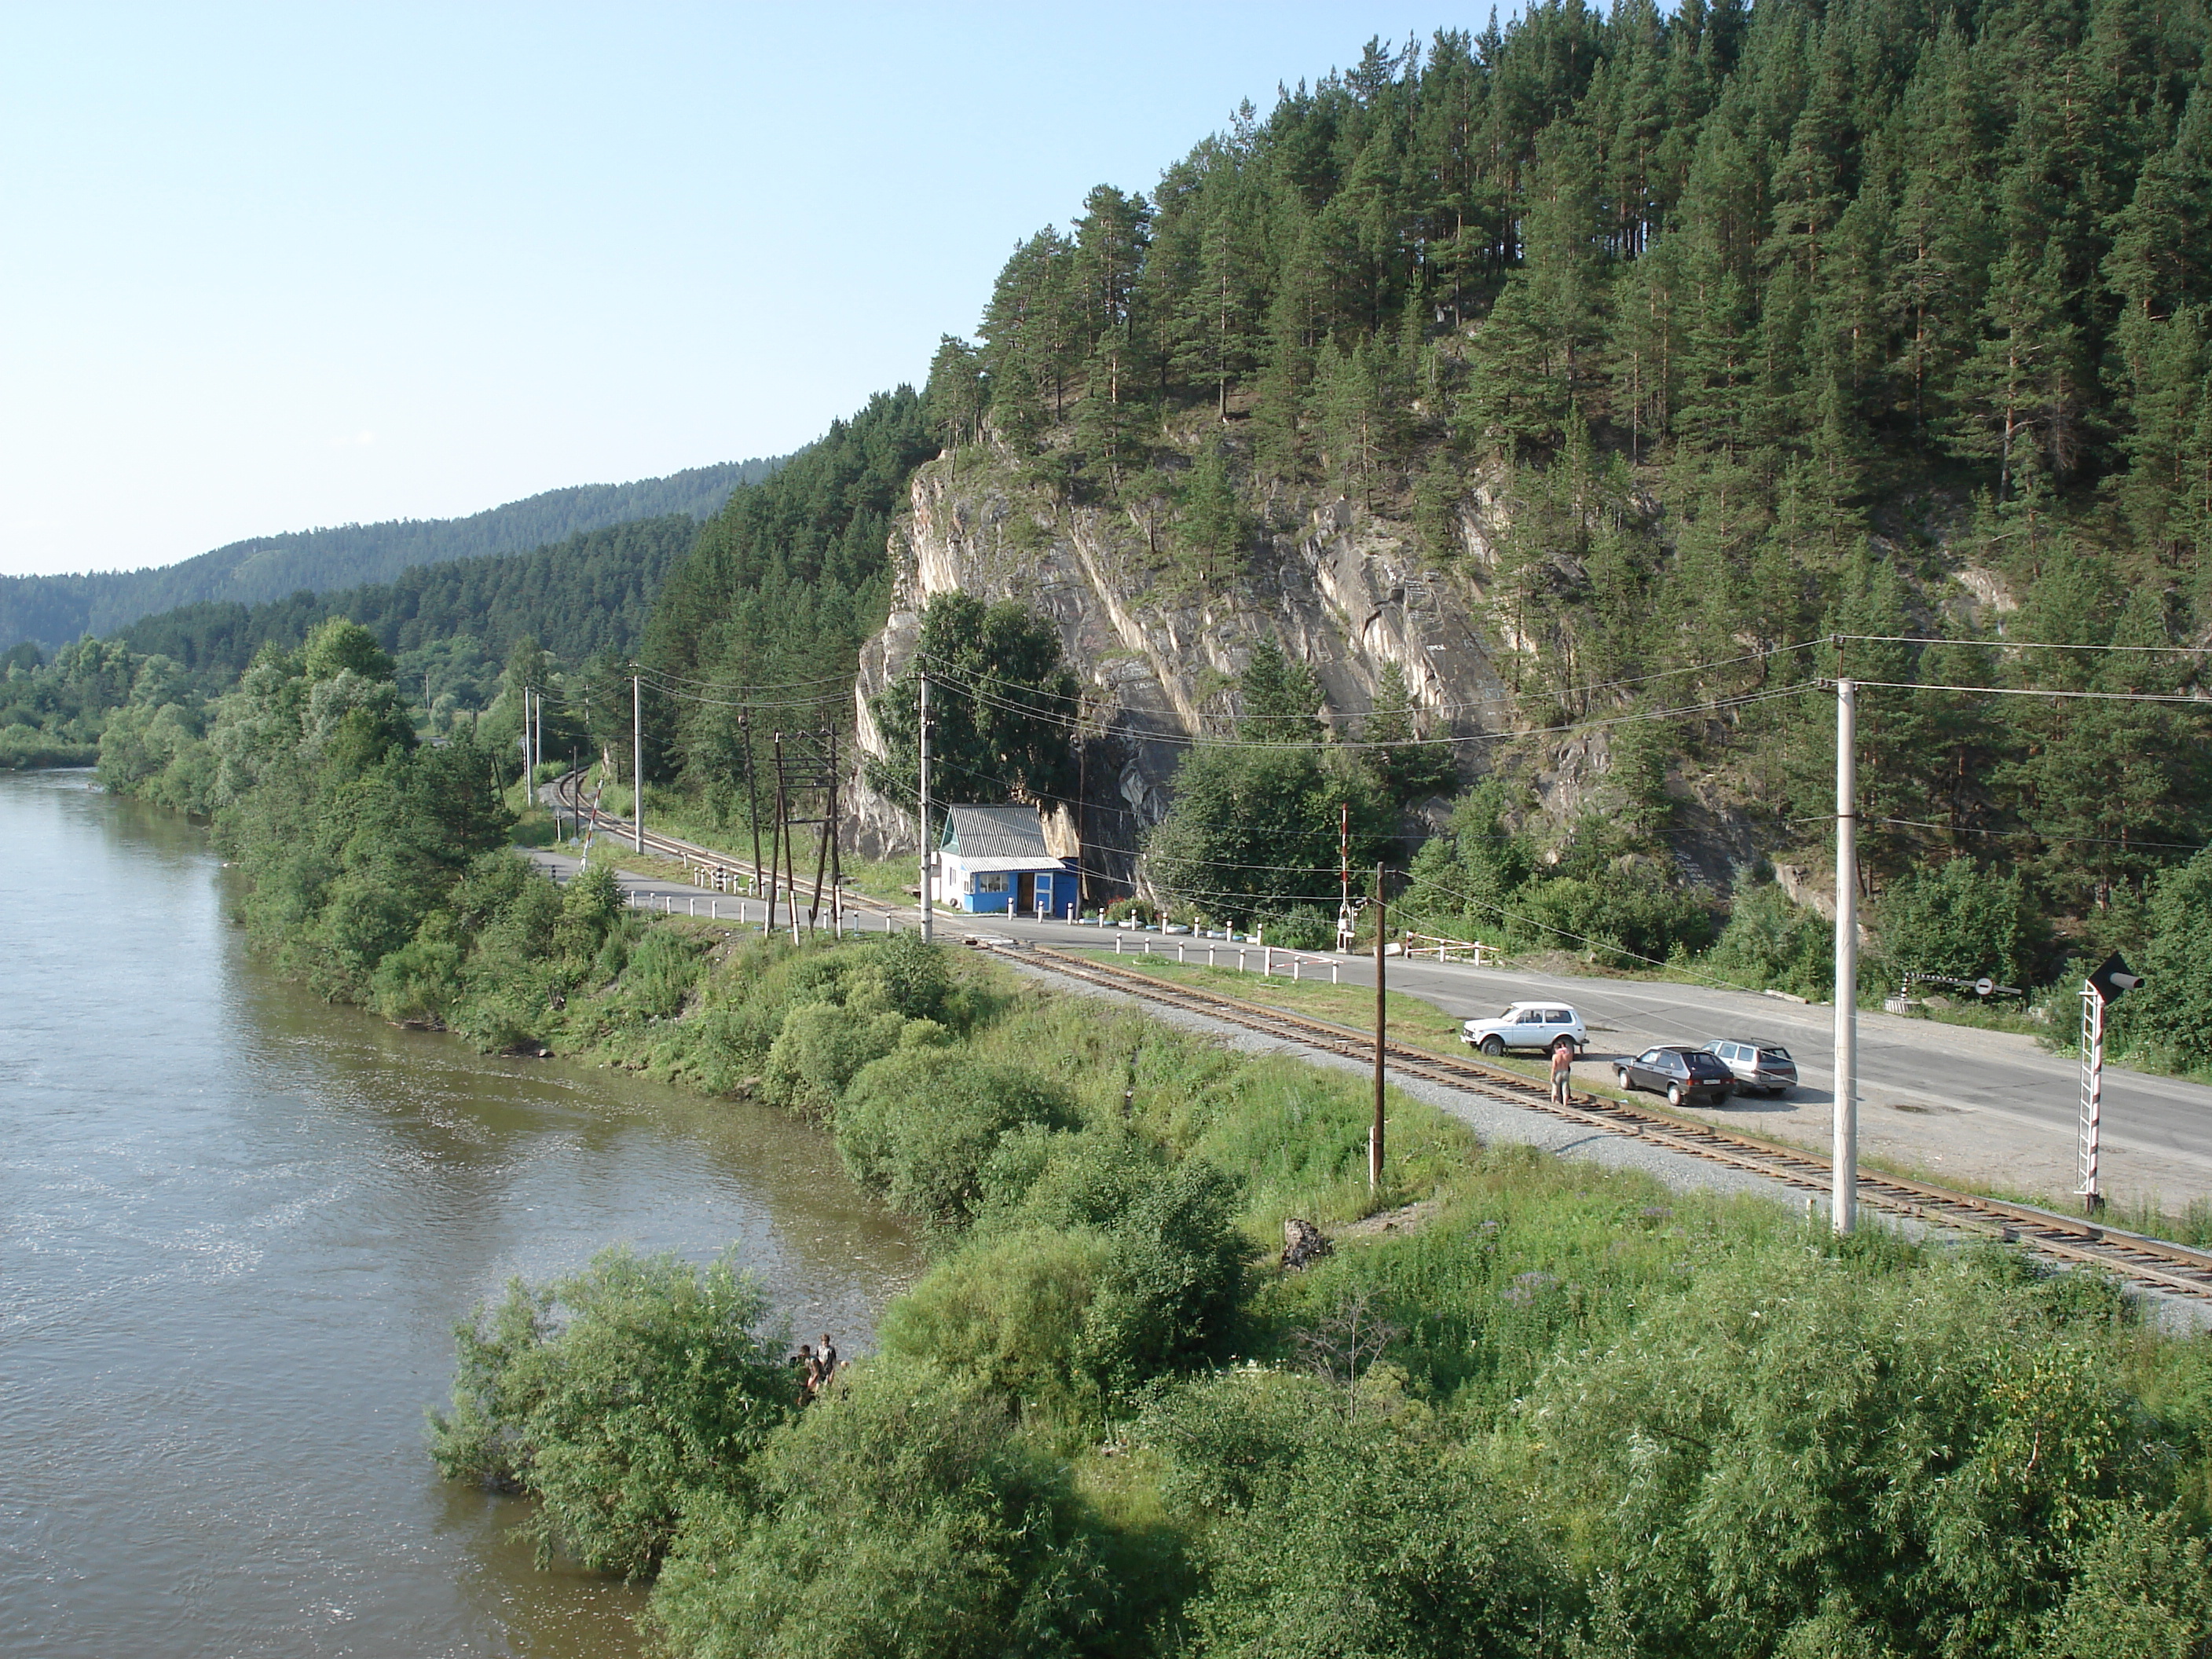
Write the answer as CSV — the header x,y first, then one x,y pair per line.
x,y
236,1228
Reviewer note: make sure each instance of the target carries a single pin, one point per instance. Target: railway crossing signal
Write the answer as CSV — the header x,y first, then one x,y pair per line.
x,y
2113,980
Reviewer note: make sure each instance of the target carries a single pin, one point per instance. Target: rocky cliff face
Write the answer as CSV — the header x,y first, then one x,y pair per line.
x,y
1159,654
1159,650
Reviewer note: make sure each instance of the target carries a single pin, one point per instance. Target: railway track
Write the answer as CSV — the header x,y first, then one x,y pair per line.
x,y
2153,1263
716,869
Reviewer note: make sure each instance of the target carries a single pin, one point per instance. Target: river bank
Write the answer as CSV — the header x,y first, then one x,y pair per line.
x,y
241,1226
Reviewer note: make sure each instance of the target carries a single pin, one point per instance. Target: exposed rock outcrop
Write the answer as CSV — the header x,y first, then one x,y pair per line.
x,y
1158,652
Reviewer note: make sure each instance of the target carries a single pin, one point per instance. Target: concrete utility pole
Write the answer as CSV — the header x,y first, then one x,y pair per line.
x,y
928,852
1843,1204
1374,1135
637,759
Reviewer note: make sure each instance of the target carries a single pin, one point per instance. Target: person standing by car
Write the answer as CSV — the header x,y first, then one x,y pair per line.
x,y
1562,1071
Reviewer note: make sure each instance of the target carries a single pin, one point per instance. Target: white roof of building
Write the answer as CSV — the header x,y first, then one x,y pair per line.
x,y
988,837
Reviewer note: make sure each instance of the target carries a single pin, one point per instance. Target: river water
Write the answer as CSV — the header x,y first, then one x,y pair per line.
x,y
236,1228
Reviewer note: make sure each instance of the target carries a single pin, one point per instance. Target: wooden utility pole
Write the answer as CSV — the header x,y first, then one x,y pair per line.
x,y
824,833
928,852
637,758
1374,1135
836,874
752,795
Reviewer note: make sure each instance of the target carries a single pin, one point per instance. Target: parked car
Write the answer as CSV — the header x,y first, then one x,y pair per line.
x,y
1764,1066
1527,1026
1684,1076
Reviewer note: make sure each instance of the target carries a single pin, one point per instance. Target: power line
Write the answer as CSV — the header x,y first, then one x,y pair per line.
x,y
945,665
2019,645
1199,741
2028,691
2011,834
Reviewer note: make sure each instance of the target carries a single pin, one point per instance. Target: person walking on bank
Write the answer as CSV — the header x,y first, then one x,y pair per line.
x,y
1563,1073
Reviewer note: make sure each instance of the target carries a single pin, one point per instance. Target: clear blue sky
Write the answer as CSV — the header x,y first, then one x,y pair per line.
x,y
278,266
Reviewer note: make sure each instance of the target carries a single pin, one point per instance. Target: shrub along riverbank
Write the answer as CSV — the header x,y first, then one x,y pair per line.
x,y
1553,1411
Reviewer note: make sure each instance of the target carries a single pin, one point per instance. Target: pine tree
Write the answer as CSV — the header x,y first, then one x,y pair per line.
x,y
1214,520
954,396
1279,698
1408,768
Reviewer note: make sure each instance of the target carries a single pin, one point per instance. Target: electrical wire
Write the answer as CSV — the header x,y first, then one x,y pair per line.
x,y
2022,645
2030,691
2010,835
1713,706
1560,693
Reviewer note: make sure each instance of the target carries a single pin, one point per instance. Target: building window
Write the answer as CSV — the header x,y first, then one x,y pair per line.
x,y
991,882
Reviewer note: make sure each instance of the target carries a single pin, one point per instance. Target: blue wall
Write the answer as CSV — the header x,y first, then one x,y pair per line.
x,y
1058,889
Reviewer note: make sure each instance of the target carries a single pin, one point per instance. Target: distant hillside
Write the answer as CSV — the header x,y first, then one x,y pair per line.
x,y
590,592
53,609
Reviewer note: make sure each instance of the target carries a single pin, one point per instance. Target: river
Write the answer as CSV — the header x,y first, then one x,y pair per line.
x,y
236,1229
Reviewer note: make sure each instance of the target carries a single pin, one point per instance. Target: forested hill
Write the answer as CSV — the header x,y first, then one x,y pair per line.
x,y
578,598
52,609
786,583
1671,345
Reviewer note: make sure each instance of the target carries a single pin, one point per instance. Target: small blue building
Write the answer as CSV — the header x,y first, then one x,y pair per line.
x,y
994,861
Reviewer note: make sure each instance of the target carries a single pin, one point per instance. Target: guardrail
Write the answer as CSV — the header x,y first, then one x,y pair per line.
x,y
1273,959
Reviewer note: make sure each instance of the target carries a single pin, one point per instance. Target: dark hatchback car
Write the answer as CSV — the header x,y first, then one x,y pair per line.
x,y
1684,1076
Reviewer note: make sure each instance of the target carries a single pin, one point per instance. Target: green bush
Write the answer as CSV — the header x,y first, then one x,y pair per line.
x,y
2171,1016
1301,928
591,907
1959,921
822,1046
902,1518
1616,918
912,976
615,1397
1770,942
1797,1446
661,972
918,1126
1011,1313
1098,1265
1332,1534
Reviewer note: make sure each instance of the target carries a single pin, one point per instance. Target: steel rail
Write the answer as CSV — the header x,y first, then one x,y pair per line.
x,y
567,791
2154,1261
2158,1262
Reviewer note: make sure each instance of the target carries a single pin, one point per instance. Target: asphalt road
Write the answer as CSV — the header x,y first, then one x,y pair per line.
x,y
1957,1102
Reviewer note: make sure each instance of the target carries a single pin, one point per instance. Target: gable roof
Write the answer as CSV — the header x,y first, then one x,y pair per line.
x,y
995,832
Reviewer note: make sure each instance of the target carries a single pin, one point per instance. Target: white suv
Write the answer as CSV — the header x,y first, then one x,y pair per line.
x,y
1527,1026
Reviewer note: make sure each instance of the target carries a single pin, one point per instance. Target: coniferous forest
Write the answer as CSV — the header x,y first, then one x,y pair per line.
x,y
1719,353
51,611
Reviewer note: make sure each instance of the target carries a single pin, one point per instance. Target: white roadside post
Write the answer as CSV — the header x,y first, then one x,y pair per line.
x,y
637,758
1844,1202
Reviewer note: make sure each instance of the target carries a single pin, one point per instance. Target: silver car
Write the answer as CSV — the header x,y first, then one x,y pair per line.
x,y
1759,1067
